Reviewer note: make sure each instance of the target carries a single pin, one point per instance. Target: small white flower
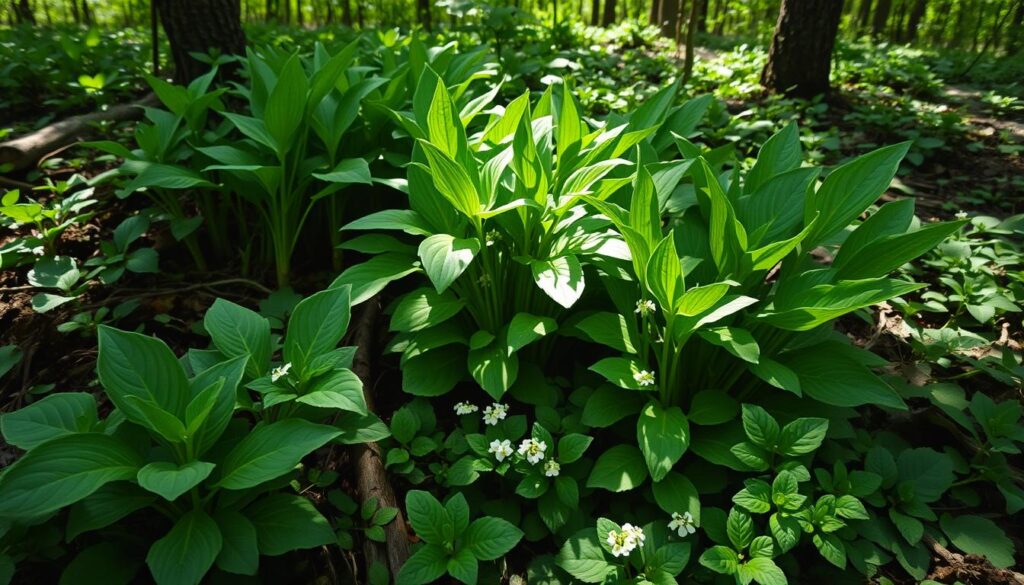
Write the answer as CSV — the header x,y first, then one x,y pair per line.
x,y
683,524
635,532
280,372
39,250
625,541
644,378
645,307
495,413
961,215
551,468
465,408
533,450
501,449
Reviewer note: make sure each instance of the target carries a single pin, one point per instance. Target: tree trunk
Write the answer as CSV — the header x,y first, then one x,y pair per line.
x,y
881,17
864,18
22,12
668,16
197,27
1016,31
346,13
702,16
74,12
423,13
595,11
86,13
609,13
800,56
916,14
691,32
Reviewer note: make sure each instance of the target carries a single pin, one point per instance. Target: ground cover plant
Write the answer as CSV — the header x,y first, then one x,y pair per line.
x,y
467,292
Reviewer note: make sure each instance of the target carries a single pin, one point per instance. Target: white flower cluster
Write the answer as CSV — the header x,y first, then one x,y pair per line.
x,y
626,540
552,468
280,372
465,408
501,449
494,413
683,524
961,215
644,378
533,450
645,307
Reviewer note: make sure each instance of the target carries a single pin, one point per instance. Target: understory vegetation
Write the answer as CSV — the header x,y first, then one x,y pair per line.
x,y
515,300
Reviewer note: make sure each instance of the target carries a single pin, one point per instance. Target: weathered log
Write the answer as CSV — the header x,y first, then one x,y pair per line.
x,y
371,478
24,152
970,568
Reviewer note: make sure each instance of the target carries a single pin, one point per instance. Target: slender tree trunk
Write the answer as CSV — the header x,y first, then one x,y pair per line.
x,y
800,56
863,15
609,13
22,12
668,16
1016,31
916,14
881,17
346,13
86,13
702,16
197,27
423,13
595,11
691,33
75,15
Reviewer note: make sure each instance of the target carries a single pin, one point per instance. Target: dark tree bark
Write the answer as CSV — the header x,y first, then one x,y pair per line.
x,y
22,12
881,17
595,11
864,17
423,13
691,33
75,14
346,12
702,16
1016,30
916,14
800,56
609,13
668,16
197,27
86,12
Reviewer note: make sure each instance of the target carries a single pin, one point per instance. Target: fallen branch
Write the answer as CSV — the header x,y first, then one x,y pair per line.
x,y
371,479
24,152
970,568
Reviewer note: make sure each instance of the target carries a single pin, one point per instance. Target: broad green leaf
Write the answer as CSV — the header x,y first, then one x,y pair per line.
x,y
286,522
316,326
105,506
720,559
131,364
62,471
677,494
270,451
883,255
802,436
712,407
170,481
979,536
560,278
105,563
611,329
429,518
778,154
618,469
663,435
425,566
739,342
340,389
240,553
930,472
286,106
370,277
187,552
446,257
463,566
55,416
218,385
664,274
238,331
583,558
849,189
838,380
348,172
763,570
424,308
760,426
490,538
405,220
739,526
452,181
623,372
525,328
